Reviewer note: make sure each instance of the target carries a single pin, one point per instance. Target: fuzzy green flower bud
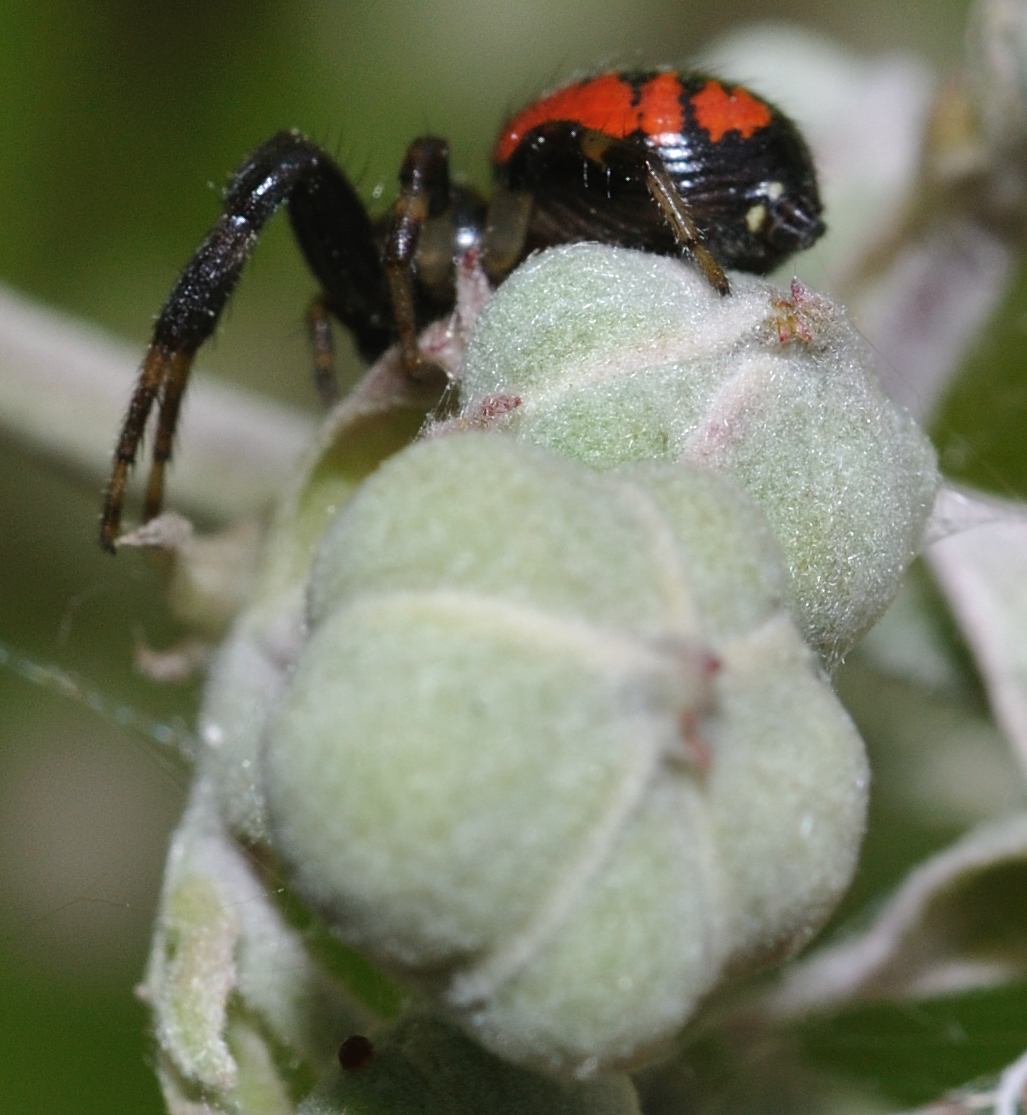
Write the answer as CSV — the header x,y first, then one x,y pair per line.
x,y
554,748
611,356
377,419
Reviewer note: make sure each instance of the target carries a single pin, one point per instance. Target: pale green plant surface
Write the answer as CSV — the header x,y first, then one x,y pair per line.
x,y
976,892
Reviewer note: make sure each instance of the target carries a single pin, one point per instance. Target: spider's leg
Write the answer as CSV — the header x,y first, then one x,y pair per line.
x,y
506,230
668,200
423,195
337,239
585,186
152,376
322,346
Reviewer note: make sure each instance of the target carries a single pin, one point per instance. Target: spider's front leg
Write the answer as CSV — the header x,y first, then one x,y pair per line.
x,y
338,241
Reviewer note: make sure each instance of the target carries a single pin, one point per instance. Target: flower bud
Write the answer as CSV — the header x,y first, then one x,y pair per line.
x,y
380,417
611,356
554,749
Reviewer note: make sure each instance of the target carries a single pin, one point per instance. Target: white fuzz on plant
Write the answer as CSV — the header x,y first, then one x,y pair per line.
x,y
611,356
554,748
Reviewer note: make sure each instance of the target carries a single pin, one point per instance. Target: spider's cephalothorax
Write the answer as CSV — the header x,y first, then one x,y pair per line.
x,y
662,160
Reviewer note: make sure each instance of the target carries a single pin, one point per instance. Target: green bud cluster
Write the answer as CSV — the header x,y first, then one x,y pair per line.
x,y
541,723
611,356
554,747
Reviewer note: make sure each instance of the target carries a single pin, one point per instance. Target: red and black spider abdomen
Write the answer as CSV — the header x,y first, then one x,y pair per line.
x,y
739,163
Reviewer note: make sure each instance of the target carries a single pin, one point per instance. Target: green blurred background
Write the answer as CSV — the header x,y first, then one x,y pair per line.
x,y
118,124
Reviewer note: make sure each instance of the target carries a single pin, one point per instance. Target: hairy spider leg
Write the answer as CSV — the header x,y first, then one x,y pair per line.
x,y
424,193
338,241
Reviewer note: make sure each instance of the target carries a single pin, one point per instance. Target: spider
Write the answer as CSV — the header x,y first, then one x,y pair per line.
x,y
665,161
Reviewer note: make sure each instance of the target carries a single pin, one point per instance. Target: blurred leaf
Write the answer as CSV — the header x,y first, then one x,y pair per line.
x,y
979,429
982,569
955,924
